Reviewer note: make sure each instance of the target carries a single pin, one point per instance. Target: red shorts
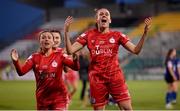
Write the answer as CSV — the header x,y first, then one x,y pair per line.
x,y
60,105
99,91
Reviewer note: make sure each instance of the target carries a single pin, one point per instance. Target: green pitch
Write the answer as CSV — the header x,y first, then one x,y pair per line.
x,y
146,95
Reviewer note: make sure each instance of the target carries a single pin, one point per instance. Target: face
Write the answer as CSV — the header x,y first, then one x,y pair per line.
x,y
173,54
103,18
57,39
46,40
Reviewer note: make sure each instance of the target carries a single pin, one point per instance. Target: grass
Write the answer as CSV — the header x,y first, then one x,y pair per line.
x,y
146,95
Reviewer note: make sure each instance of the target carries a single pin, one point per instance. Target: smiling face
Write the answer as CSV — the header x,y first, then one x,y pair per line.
x,y
103,18
57,39
46,40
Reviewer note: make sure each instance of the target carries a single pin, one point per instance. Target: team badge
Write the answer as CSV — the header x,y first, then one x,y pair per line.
x,y
92,41
112,40
54,64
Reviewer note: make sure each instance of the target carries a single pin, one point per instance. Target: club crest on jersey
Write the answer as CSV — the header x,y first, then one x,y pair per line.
x,y
54,64
112,40
92,41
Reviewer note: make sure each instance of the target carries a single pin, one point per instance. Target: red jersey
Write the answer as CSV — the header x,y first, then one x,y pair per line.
x,y
104,53
48,73
71,76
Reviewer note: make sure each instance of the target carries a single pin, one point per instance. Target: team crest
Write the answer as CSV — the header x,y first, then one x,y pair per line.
x,y
112,40
54,64
92,41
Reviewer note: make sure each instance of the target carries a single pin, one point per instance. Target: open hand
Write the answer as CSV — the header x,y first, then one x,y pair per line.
x,y
14,55
67,23
147,22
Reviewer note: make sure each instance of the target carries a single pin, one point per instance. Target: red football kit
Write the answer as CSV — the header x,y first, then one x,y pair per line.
x,y
71,76
51,92
105,75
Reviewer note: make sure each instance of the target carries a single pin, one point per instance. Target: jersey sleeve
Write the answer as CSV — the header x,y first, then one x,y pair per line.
x,y
73,64
123,39
22,70
169,64
82,39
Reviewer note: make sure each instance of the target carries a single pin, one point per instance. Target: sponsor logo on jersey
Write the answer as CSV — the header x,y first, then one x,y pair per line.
x,y
112,40
54,64
101,42
44,75
98,50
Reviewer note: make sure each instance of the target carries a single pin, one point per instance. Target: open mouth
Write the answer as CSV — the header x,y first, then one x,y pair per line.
x,y
103,21
46,43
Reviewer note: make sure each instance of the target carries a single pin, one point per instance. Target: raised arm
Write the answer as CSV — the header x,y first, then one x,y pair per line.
x,y
69,47
136,49
21,70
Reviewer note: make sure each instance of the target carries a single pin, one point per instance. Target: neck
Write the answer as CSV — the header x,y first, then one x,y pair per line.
x,y
103,30
47,52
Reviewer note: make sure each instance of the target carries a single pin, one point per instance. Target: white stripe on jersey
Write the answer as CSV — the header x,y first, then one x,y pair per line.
x,y
169,64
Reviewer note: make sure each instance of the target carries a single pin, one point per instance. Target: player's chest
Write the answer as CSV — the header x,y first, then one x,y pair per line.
x,y
48,64
102,42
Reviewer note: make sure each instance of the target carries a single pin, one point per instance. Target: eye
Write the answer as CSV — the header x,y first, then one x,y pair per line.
x,y
101,13
56,37
43,37
107,14
49,37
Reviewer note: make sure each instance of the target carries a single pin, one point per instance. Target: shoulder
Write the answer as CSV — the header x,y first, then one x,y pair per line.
x,y
93,30
58,49
118,33
34,55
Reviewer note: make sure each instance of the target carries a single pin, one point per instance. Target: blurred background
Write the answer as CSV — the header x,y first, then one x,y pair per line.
x,y
21,20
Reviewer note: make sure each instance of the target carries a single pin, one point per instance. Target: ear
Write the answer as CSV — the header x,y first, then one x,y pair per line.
x,y
110,21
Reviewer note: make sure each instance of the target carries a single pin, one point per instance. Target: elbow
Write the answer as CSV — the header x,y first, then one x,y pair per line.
x,y
20,74
77,68
136,52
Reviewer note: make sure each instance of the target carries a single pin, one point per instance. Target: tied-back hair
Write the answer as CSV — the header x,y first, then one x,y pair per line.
x,y
44,31
40,33
168,55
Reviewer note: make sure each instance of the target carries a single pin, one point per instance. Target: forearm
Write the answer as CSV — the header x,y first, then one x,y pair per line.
x,y
68,43
18,68
139,46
